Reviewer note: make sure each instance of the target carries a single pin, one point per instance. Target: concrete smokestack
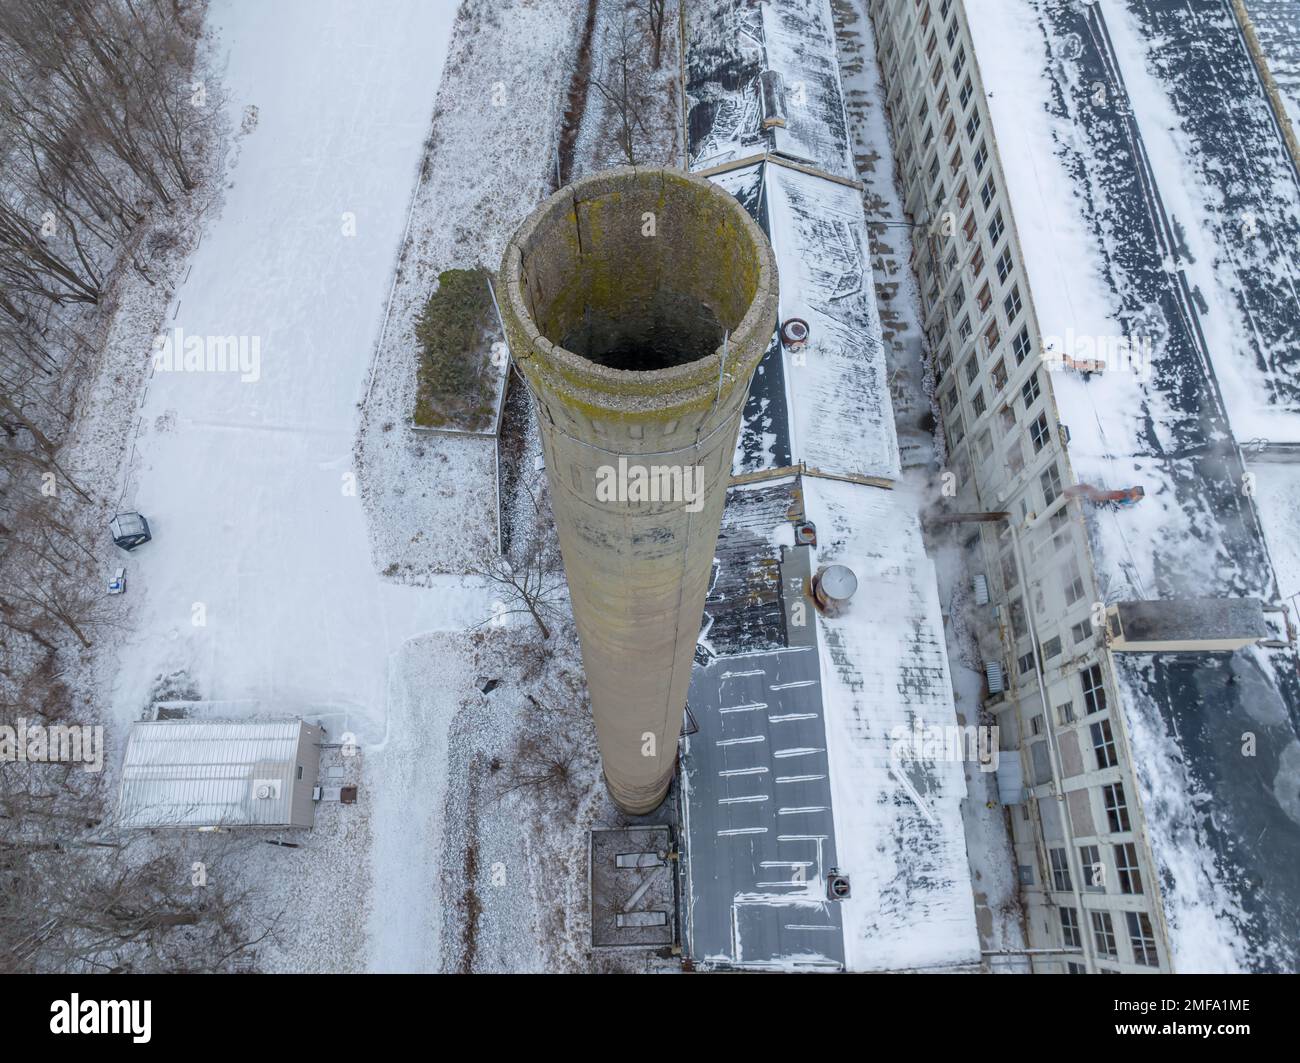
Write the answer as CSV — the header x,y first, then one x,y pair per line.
x,y
638,303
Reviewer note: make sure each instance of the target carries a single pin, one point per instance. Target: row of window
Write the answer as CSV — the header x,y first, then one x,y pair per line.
x,y
1095,876
1141,936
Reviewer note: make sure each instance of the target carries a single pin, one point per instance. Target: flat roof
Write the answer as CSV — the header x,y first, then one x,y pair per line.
x,y
1192,619
193,773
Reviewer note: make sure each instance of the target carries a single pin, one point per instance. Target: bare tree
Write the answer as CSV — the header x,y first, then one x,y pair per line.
x,y
529,575
623,83
655,14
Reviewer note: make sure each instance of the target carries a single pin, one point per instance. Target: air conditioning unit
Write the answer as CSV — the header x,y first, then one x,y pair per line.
x,y
981,589
266,789
993,673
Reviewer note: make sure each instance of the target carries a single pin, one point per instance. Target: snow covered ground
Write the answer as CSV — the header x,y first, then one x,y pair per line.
x,y
259,584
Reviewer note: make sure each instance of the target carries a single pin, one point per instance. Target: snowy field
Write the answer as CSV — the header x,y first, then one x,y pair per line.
x,y
259,584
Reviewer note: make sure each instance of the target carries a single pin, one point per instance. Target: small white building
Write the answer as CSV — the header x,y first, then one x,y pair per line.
x,y
199,773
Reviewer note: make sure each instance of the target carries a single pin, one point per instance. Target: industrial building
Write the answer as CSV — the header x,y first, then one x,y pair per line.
x,y
1108,332
200,774
808,842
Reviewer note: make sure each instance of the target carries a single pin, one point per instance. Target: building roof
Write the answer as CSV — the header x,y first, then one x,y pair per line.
x,y
885,679
827,404
187,773
731,44
787,772
1193,619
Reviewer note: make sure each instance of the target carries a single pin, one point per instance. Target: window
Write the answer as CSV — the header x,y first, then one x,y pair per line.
x,y
1039,434
1075,968
1026,872
945,361
1009,577
943,101
1094,691
1025,663
1072,582
963,195
1011,304
999,375
956,432
1019,624
1029,390
980,157
1003,265
1052,648
951,35
984,298
1015,457
964,329
1020,346
933,172
959,62
1094,871
968,227
991,336
1065,712
1116,808
932,43
977,402
987,191
1036,724
977,263
1126,867
973,125
1050,481
954,163
984,444
1142,939
1070,928
996,228
967,90
971,369
949,400
1060,870
1008,415
1103,934
957,297
950,130
1082,631
1103,744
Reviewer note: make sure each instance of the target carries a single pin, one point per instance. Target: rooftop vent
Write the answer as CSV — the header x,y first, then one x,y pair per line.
x,y
266,789
1186,625
832,588
772,90
981,589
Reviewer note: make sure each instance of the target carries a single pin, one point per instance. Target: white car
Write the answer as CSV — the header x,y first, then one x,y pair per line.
x,y
117,585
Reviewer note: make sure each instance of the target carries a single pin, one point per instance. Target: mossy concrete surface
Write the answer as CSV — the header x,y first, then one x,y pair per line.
x,y
638,266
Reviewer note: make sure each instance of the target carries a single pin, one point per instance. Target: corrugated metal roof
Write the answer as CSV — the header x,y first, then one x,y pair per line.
x,y
190,773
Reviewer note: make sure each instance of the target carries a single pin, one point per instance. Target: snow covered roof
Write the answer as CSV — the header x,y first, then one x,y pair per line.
x,y
884,671
187,773
1139,203
734,47
826,404
789,769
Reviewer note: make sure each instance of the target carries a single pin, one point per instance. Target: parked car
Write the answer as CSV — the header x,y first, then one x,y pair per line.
x,y
117,585
129,530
